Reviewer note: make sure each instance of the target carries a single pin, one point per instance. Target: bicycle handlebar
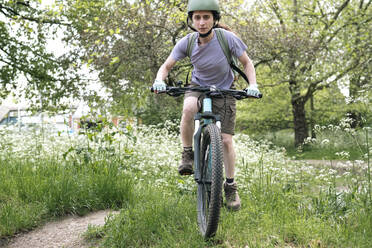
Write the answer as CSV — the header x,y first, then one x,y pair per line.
x,y
211,91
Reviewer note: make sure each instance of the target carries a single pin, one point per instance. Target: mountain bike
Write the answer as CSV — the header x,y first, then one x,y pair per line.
x,y
208,155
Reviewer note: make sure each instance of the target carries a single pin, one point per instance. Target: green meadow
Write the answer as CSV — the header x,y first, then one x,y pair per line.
x,y
285,202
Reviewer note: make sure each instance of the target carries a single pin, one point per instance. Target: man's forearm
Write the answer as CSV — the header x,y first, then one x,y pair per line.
x,y
250,72
162,73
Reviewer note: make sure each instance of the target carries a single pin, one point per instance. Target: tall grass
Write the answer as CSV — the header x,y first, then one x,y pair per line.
x,y
41,184
284,203
332,142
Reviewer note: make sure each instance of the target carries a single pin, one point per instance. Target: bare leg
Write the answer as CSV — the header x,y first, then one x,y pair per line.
x,y
190,108
228,155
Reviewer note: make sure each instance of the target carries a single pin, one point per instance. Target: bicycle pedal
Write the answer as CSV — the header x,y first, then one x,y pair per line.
x,y
185,173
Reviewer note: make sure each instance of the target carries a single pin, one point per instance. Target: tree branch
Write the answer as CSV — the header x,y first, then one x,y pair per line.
x,y
275,84
314,86
337,14
334,34
368,4
264,61
13,13
274,6
295,16
333,20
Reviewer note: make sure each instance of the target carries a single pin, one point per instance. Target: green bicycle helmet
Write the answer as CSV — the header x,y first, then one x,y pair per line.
x,y
211,5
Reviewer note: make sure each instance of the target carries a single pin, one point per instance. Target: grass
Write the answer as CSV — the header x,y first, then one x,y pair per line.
x,y
284,203
156,220
269,218
31,195
318,153
331,143
34,190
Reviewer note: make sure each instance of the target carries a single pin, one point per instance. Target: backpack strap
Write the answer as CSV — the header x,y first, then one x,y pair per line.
x,y
226,50
224,44
191,44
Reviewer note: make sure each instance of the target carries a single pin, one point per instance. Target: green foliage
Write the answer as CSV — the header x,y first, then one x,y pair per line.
x,y
359,106
322,114
156,220
299,47
25,28
332,142
170,110
303,46
38,186
304,49
48,189
126,42
272,112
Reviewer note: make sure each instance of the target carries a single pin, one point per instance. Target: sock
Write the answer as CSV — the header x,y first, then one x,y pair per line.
x,y
187,149
229,181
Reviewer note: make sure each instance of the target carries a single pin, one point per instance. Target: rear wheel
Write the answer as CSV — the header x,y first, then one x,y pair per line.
x,y
210,185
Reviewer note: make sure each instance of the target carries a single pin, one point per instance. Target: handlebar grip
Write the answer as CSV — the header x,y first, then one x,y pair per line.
x,y
164,91
255,96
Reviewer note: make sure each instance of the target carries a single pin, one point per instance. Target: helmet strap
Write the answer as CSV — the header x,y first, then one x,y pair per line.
x,y
209,32
201,35
206,34
188,24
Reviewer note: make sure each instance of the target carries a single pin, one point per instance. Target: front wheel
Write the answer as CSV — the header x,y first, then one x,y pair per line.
x,y
210,183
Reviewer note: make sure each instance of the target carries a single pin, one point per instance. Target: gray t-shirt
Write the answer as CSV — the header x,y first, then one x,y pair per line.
x,y
210,63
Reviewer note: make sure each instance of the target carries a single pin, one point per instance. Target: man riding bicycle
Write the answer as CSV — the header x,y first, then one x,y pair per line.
x,y
211,68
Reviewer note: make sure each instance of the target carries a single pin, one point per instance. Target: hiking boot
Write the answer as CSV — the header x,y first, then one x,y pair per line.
x,y
187,162
232,197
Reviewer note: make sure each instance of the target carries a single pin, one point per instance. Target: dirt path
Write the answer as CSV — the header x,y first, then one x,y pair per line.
x,y
65,233
328,162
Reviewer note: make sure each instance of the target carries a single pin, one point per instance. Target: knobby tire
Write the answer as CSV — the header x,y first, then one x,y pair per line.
x,y
210,194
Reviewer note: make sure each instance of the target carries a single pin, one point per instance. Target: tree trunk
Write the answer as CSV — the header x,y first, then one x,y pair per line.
x,y
312,124
356,86
299,121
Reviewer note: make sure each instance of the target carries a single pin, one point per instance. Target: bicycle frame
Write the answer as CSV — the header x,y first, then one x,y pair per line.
x,y
207,117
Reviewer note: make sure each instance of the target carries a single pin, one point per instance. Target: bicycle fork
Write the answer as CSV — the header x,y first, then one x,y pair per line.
x,y
208,117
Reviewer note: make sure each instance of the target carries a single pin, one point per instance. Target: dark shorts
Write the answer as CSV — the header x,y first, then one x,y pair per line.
x,y
224,107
